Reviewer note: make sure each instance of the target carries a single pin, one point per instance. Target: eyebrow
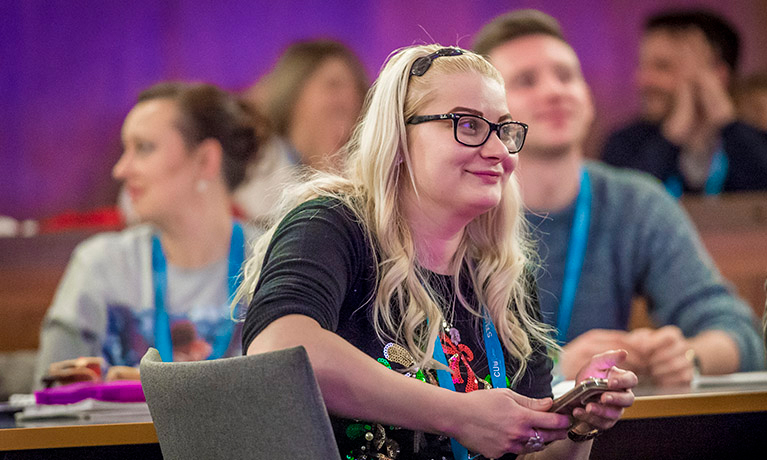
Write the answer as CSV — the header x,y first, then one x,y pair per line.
x,y
502,118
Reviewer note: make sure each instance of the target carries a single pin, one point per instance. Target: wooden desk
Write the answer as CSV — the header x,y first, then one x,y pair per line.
x,y
715,422
113,441
698,402
661,424
77,436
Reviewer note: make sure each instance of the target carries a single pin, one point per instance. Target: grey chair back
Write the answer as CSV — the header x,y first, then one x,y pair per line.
x,y
259,407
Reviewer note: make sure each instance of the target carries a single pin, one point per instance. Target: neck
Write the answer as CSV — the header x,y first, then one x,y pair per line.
x,y
436,235
198,235
549,183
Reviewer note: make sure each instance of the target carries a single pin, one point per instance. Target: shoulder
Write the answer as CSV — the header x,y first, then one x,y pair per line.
x,y
628,192
634,129
622,144
324,208
623,183
110,262
322,223
115,246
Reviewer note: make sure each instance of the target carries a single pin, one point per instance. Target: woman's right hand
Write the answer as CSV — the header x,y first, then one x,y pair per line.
x,y
498,421
83,369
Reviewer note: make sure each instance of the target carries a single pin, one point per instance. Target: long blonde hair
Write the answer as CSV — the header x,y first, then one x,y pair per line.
x,y
494,247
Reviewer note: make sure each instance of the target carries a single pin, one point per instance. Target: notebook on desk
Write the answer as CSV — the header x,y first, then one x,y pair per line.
x,y
87,411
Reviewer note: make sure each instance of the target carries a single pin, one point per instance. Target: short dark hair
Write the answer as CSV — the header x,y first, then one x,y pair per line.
x,y
208,112
720,34
513,25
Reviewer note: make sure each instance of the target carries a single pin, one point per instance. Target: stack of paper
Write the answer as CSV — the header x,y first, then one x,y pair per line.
x,y
87,411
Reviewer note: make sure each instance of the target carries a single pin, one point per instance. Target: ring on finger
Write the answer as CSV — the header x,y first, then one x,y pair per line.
x,y
535,442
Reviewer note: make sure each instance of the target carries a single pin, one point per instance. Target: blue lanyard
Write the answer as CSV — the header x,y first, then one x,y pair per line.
x,y
718,173
496,365
576,253
717,176
162,336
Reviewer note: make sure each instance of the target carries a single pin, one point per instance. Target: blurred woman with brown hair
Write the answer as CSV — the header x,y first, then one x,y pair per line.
x,y
312,99
170,278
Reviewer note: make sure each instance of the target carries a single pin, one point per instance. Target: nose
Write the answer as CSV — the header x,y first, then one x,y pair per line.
x,y
121,168
552,86
494,148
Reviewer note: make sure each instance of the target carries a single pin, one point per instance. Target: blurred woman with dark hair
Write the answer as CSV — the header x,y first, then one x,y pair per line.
x,y
185,148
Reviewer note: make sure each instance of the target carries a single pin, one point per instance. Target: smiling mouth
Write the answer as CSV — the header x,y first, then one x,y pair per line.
x,y
487,176
556,115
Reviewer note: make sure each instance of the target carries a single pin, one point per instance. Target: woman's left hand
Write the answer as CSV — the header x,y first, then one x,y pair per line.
x,y
604,413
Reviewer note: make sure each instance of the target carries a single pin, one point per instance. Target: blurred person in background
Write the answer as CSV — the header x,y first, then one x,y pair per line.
x,y
606,235
688,135
311,98
166,282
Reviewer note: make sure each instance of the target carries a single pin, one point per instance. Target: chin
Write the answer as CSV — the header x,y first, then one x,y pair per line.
x,y
144,214
485,204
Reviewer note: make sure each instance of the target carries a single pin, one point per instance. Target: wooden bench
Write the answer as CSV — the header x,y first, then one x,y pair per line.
x,y
733,228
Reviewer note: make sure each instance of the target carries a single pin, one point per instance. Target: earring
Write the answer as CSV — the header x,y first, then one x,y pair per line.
x,y
201,186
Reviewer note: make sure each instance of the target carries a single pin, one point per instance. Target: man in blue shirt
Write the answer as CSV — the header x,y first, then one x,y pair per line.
x,y
606,235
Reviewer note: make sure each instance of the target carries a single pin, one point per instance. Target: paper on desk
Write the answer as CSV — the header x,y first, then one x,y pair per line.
x,y
16,402
83,412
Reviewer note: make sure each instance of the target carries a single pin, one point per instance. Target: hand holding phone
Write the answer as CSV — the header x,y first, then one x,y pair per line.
x,y
585,392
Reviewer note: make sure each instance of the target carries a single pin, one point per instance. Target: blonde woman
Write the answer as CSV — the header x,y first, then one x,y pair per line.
x,y
415,262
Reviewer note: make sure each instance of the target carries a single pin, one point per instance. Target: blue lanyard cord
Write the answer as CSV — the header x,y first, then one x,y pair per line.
x,y
674,186
576,253
496,365
162,336
161,322
717,176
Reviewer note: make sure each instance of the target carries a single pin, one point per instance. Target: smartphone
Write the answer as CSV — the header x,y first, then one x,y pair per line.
x,y
585,392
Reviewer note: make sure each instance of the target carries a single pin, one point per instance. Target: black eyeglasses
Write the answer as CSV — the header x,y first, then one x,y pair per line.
x,y
473,130
422,64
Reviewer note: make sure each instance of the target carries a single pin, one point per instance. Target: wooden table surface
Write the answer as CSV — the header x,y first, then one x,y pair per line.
x,y
650,403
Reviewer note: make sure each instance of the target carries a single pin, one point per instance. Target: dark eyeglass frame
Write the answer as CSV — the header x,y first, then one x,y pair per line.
x,y
422,64
494,127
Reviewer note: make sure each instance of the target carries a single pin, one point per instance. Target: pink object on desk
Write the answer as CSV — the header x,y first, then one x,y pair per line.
x,y
118,391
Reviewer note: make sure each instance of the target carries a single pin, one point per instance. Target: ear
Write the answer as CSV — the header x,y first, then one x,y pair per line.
x,y
210,155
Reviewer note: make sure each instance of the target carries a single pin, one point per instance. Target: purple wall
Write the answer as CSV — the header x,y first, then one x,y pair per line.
x,y
70,70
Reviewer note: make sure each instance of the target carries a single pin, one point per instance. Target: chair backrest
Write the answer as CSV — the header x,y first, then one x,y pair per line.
x,y
264,406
